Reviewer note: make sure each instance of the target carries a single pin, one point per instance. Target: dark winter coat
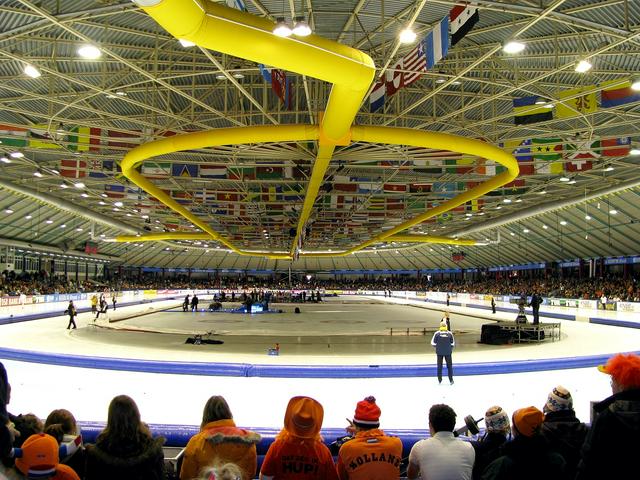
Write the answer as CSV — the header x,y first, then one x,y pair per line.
x,y
487,450
526,458
565,434
443,341
5,436
611,447
136,461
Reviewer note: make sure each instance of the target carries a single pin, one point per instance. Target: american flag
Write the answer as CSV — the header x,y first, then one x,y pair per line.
x,y
406,70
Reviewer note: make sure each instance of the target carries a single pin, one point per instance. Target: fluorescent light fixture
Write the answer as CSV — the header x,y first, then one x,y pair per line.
x,y
542,192
549,105
583,66
635,84
301,27
79,185
220,76
116,209
121,93
111,95
545,227
634,151
28,217
118,204
37,173
613,212
102,203
8,210
237,73
31,71
518,200
456,82
513,46
78,229
49,221
63,226
609,169
526,230
541,101
186,43
571,182
16,154
563,222
565,179
507,200
497,208
407,35
5,160
587,217
512,234
84,195
90,52
441,80
281,29
104,195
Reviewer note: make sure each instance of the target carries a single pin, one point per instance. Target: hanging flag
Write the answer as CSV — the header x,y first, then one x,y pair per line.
x,y
265,72
184,170
420,187
615,147
447,189
79,139
463,18
269,173
459,165
237,172
546,148
491,168
342,184
282,87
114,191
210,170
429,166
156,169
580,153
522,151
474,205
526,111
100,168
580,105
377,96
113,141
436,43
73,168
394,188
40,136
134,194
406,70
621,94
395,204
237,4
13,136
376,203
95,140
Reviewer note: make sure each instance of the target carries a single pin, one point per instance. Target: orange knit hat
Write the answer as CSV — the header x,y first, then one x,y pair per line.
x,y
527,421
625,369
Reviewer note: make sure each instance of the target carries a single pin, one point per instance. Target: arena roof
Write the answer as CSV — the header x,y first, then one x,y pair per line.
x,y
576,196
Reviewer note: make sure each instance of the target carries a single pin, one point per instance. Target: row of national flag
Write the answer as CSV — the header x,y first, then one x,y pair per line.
x,y
574,102
424,56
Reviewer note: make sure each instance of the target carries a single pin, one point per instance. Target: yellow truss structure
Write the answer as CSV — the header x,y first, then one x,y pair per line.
x,y
233,32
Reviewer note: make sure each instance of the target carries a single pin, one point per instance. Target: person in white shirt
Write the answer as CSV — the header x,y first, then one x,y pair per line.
x,y
443,456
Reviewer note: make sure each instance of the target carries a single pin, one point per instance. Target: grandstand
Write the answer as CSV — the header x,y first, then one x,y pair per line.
x,y
394,184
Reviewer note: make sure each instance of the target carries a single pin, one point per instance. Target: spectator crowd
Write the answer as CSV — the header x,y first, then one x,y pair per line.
x,y
531,443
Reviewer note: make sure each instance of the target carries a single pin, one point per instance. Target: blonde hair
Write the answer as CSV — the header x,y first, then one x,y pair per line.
x,y
228,471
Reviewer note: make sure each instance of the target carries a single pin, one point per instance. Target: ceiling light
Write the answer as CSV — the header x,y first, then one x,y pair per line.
x,y
78,229
37,173
8,210
571,182
548,105
634,151
563,222
544,226
525,230
31,71
63,226
102,203
542,192
469,214
90,52
129,215
301,27
84,195
186,43
441,80
102,235
541,101
237,73
613,212
145,216
587,217
111,95
583,66
407,35
49,221
79,185
118,204
513,46
519,200
498,207
281,29
116,209
64,185
507,200
28,217
120,93
16,154
220,76
635,84
565,179
512,234
5,160
104,195
481,213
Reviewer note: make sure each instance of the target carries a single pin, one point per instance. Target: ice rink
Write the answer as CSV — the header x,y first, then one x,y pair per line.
x,y
341,331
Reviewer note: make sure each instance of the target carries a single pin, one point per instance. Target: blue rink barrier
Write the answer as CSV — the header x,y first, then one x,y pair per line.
x,y
299,371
